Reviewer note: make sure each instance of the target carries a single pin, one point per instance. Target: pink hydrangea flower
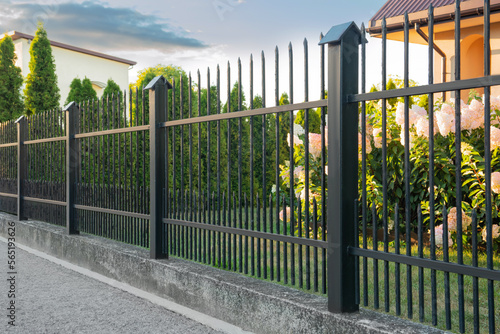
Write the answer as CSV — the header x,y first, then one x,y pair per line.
x,y
494,102
495,182
414,113
422,127
299,173
315,144
377,137
402,138
438,232
445,122
296,140
495,232
452,220
400,114
472,116
367,142
494,138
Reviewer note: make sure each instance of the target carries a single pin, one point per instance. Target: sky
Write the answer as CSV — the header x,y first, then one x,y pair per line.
x,y
199,34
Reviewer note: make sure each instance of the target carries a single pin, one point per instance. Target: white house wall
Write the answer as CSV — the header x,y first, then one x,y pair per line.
x,y
71,64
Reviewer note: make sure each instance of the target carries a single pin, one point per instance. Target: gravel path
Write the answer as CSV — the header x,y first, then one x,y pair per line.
x,y
53,299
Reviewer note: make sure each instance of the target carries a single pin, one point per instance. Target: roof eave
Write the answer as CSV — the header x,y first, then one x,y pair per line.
x,y
442,14
15,35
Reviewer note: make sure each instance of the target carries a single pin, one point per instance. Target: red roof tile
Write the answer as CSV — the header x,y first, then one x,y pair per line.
x,y
398,7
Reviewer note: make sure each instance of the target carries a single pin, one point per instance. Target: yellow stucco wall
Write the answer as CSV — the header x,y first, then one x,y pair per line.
x,y
472,63
71,64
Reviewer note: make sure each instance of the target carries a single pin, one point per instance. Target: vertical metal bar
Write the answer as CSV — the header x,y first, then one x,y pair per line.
x,y
235,259
323,169
246,237
191,201
342,176
384,170
292,167
264,177
315,233
447,304
397,274
458,169
219,236
420,269
174,228
72,166
291,123
181,230
229,189
285,246
276,175
363,157
240,165
158,88
22,164
307,161
209,141
475,281
431,164
409,296
375,261
487,165
252,183
199,162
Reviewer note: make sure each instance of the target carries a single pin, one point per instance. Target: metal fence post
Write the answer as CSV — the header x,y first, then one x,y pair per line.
x,y
157,113
343,59
72,165
22,164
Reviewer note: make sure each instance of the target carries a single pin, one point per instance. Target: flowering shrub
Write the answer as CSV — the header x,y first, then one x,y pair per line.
x,y
299,177
473,166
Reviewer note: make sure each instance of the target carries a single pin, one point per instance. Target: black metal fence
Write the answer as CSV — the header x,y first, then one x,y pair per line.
x,y
454,288
231,190
241,186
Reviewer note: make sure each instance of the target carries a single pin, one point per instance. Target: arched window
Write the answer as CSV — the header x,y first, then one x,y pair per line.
x,y
98,87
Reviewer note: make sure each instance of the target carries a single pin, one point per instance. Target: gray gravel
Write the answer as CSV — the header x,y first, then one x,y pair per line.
x,y
54,299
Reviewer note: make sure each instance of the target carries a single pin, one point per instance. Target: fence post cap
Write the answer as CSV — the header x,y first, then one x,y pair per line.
x,y
20,119
336,33
69,105
159,79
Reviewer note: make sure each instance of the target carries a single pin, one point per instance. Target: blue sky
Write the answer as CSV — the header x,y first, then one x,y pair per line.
x,y
197,34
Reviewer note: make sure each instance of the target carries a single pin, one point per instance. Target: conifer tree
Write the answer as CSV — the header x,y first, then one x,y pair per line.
x,y
41,91
11,79
112,89
88,93
75,91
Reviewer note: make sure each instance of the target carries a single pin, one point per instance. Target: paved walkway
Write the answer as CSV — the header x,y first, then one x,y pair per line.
x,y
50,298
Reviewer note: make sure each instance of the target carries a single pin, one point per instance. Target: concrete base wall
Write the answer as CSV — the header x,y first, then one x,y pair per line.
x,y
251,304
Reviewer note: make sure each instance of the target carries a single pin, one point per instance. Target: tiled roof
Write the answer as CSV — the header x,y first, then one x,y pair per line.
x,y
398,7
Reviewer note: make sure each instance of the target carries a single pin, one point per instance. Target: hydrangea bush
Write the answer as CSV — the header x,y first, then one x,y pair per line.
x,y
299,175
473,167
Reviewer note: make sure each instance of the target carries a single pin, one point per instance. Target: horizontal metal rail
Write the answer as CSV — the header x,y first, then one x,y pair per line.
x,y
249,233
112,132
45,201
114,212
45,140
245,113
449,267
487,81
8,195
8,145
